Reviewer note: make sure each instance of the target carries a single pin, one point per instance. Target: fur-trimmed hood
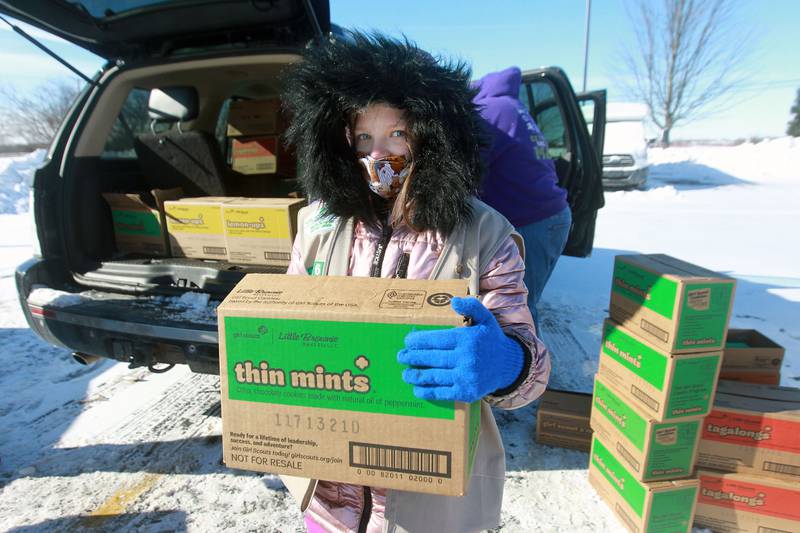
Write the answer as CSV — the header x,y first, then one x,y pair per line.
x,y
337,79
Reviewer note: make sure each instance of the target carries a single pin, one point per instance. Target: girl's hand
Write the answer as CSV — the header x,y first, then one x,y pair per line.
x,y
462,364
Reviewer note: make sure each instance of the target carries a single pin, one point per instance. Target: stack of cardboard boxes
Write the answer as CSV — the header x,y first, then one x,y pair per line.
x,y
245,230
657,374
749,460
254,130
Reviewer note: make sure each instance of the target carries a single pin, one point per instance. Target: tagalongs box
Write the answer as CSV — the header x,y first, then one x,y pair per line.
x,y
753,429
311,386
738,503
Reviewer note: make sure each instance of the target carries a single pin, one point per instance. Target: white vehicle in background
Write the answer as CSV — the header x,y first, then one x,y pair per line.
x,y
625,162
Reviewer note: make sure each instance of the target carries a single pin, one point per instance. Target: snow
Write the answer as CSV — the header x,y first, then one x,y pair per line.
x,y
114,448
16,178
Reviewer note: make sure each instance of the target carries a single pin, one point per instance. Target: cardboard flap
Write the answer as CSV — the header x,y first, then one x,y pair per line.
x,y
301,488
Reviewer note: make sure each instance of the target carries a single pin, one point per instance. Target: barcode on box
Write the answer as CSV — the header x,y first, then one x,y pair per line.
x,y
625,518
644,398
399,459
215,250
780,468
655,331
625,454
280,256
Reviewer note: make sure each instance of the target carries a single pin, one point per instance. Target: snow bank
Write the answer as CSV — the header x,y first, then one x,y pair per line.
x,y
16,178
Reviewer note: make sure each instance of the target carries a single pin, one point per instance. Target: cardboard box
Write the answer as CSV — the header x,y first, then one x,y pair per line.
x,y
261,155
751,356
650,450
753,429
254,117
667,386
311,386
656,506
563,419
737,503
261,230
138,218
676,306
195,227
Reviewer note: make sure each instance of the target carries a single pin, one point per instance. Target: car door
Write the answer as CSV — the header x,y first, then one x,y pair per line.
x,y
551,101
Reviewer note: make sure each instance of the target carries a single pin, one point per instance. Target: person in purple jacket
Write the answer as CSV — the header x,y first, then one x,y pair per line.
x,y
520,181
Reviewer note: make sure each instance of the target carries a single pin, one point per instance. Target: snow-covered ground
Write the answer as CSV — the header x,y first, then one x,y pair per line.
x,y
113,449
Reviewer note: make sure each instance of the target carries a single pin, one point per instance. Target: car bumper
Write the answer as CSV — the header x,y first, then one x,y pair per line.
x,y
624,178
114,330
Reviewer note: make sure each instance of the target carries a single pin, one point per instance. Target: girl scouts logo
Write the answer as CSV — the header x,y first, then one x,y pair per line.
x,y
440,299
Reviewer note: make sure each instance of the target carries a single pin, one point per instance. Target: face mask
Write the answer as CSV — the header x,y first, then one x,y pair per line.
x,y
386,175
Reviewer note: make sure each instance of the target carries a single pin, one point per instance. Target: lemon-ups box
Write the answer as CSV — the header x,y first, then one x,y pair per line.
x,y
195,227
563,419
139,225
650,450
311,386
753,429
751,356
656,506
261,230
737,503
676,306
665,385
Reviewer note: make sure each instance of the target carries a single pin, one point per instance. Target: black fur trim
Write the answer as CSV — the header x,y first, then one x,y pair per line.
x,y
336,79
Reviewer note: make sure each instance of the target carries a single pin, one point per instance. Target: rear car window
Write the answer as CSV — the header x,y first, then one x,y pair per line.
x,y
131,122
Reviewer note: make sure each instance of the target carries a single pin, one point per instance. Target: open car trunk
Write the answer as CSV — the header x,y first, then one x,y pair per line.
x,y
109,159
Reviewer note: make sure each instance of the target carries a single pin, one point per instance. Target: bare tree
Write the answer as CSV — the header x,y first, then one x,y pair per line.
x,y
793,128
689,56
33,117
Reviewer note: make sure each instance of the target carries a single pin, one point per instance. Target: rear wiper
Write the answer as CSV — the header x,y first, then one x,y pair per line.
x,y
49,52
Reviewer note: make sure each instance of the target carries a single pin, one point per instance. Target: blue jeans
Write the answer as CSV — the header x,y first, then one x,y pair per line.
x,y
544,242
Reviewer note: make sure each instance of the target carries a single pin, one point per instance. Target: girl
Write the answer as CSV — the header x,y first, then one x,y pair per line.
x,y
388,140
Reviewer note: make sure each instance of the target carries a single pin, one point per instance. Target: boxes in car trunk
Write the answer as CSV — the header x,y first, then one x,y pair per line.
x,y
650,450
254,117
563,419
667,386
656,506
195,227
138,218
753,429
737,503
261,230
750,356
261,155
676,306
311,386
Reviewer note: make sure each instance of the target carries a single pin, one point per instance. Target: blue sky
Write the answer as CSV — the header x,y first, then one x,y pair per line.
x,y
530,33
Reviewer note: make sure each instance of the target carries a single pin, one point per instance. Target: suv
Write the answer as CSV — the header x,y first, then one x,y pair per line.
x,y
625,162
185,63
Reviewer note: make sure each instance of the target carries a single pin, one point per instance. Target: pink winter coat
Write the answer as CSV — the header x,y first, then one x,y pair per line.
x,y
339,507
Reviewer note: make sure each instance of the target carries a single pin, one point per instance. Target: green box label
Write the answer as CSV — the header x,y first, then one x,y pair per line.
x,y
350,366
692,383
622,417
619,478
145,223
640,359
671,511
644,287
671,449
704,315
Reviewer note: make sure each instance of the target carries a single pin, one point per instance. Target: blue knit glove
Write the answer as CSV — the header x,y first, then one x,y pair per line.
x,y
462,364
